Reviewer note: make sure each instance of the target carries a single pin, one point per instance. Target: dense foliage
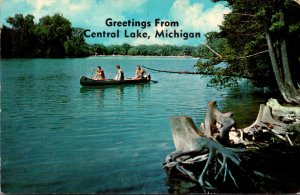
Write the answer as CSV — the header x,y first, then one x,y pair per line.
x,y
242,42
53,36
144,50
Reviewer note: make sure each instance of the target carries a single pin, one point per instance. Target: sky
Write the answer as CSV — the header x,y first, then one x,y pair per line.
x,y
192,16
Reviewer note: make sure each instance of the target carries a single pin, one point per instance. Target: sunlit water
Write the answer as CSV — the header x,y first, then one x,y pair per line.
x,y
57,136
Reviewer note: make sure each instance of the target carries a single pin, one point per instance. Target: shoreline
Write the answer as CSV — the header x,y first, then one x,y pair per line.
x,y
137,56
141,56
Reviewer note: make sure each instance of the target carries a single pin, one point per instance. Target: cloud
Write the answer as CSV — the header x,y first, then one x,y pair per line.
x,y
193,17
81,13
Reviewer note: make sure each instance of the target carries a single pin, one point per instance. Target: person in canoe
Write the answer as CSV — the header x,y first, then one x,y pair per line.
x,y
139,73
120,75
99,74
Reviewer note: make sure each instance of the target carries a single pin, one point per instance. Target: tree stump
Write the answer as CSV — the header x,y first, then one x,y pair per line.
x,y
208,149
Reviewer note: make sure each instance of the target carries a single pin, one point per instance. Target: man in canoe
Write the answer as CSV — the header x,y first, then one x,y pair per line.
x,y
99,74
139,73
120,75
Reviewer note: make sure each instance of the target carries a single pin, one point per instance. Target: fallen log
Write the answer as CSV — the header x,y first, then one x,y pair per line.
x,y
196,73
203,155
282,111
177,72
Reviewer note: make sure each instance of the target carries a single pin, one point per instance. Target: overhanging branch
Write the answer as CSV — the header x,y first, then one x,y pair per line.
x,y
226,60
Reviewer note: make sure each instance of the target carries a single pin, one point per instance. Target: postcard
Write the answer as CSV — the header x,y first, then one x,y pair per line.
x,y
150,96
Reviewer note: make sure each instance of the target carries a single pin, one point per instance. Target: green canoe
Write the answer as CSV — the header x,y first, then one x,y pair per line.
x,y
85,81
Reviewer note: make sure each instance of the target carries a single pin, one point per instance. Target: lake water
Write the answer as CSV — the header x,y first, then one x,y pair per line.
x,y
59,137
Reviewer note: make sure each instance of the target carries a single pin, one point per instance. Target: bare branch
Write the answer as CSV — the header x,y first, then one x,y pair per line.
x,y
252,55
212,50
240,14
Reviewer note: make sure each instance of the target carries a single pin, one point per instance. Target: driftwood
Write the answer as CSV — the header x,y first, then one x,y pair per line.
x,y
217,124
207,155
275,120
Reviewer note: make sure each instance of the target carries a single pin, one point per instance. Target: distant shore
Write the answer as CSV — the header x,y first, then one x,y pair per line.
x,y
142,56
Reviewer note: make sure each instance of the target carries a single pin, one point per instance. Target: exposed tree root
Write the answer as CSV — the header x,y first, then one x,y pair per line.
x,y
204,156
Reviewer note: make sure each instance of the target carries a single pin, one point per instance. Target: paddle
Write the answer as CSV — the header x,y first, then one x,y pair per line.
x,y
149,77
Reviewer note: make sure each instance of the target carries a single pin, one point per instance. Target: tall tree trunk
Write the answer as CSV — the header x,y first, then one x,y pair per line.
x,y
284,81
285,62
287,73
275,67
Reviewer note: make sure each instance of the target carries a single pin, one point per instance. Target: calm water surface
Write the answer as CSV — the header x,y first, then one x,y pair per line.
x,y
57,136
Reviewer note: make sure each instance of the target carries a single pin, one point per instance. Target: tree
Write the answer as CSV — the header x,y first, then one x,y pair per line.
x,y
21,36
113,50
52,32
6,42
53,36
133,51
76,45
257,34
124,48
278,36
142,50
98,49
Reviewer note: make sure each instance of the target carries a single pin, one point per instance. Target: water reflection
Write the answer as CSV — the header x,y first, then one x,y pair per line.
x,y
140,89
119,93
102,93
97,93
244,102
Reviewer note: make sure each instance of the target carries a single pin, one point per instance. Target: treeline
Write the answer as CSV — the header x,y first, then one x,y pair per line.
x,y
144,50
54,37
